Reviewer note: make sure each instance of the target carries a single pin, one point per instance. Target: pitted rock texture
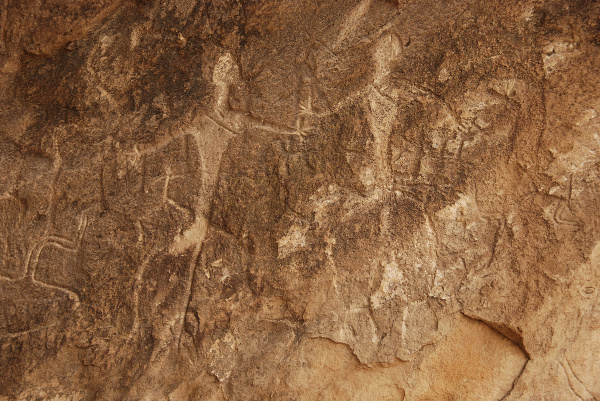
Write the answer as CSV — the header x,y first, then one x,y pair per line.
x,y
300,200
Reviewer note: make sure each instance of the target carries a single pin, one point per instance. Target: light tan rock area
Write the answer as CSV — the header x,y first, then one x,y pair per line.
x,y
300,200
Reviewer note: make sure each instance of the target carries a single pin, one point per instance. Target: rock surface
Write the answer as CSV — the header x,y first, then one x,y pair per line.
x,y
300,200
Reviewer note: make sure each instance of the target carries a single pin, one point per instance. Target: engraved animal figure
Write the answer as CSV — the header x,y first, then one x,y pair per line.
x,y
33,257
72,246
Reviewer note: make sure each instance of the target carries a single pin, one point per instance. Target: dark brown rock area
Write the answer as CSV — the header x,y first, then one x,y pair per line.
x,y
300,200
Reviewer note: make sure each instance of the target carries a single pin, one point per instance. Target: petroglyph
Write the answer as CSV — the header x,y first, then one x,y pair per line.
x,y
303,127
165,192
352,21
358,199
96,78
72,246
211,142
577,387
383,109
561,214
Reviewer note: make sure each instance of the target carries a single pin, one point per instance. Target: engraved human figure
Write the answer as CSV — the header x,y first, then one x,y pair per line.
x,y
387,95
392,181
211,133
383,106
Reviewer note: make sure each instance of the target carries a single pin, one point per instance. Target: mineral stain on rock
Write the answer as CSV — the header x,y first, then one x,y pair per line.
x,y
299,200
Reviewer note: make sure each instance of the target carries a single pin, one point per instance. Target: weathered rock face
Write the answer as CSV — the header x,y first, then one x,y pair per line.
x,y
299,200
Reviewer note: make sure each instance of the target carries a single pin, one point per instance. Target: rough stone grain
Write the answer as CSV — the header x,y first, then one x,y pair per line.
x,y
300,200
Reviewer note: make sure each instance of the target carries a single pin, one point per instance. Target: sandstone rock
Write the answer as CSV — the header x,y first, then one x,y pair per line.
x,y
299,200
